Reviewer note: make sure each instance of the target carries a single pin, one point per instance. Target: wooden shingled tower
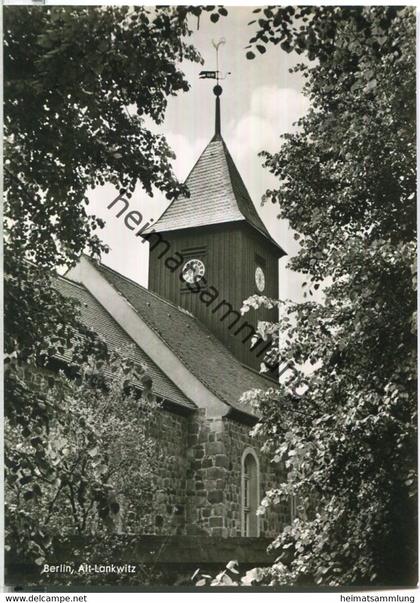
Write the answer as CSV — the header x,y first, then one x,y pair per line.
x,y
227,252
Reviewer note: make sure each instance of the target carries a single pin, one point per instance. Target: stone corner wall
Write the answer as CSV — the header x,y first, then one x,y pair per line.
x,y
214,479
237,439
206,476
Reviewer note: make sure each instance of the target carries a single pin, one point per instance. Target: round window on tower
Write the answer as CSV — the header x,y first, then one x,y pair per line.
x,y
193,271
260,279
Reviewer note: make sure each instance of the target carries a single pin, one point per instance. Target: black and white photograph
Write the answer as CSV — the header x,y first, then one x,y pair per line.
x,y
210,326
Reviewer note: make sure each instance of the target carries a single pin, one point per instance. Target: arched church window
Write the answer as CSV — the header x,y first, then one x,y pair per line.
x,y
250,493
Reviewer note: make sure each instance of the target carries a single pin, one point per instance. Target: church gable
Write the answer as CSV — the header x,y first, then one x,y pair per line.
x,y
189,354
195,345
148,339
102,323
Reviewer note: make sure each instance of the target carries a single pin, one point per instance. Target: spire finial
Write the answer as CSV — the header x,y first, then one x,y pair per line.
x,y
216,75
217,89
217,127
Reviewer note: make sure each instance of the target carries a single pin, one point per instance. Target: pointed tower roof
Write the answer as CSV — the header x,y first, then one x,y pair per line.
x,y
217,192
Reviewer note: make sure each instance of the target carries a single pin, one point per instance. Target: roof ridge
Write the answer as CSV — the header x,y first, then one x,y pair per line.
x,y
169,303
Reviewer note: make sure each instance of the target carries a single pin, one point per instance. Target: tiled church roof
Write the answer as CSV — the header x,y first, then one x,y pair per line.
x,y
217,195
198,349
98,319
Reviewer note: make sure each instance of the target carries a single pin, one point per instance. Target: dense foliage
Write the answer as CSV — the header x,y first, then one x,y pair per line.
x,y
70,478
231,575
72,78
346,426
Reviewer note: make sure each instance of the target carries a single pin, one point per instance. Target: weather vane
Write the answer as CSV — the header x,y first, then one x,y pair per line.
x,y
215,75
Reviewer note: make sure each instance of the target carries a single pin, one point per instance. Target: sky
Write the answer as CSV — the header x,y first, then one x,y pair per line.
x,y
261,100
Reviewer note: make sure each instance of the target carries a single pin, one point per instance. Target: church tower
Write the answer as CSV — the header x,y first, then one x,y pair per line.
x,y
224,252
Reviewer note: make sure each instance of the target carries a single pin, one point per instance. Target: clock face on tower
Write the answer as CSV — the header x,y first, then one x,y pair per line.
x,y
193,271
260,279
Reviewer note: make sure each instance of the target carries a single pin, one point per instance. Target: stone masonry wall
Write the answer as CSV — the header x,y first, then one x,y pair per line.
x,y
214,479
237,439
206,476
198,488
168,512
